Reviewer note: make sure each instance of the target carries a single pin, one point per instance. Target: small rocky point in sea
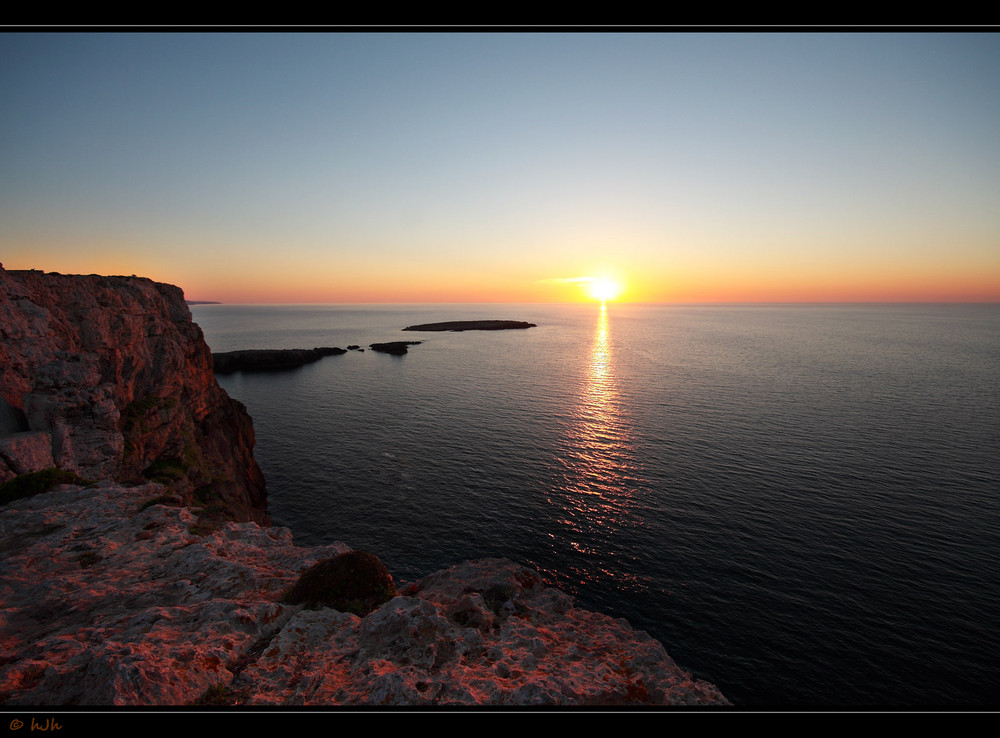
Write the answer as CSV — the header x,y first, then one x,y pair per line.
x,y
397,348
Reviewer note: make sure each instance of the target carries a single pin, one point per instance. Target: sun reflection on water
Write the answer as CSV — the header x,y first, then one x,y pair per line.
x,y
599,483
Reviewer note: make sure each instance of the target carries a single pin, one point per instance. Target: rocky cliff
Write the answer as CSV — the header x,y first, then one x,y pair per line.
x,y
117,593
110,378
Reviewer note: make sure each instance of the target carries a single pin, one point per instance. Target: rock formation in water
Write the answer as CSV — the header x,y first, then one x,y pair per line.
x,y
110,378
471,325
269,360
118,596
396,348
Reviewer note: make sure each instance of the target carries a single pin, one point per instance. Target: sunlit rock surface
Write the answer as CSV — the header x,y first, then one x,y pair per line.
x,y
113,595
116,373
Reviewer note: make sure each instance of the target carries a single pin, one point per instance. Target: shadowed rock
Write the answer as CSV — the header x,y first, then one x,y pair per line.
x,y
269,360
471,325
355,582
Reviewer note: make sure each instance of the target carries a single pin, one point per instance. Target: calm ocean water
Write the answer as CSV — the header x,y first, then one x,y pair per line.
x,y
801,502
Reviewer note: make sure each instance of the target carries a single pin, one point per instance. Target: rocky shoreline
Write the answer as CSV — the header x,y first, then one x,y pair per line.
x,y
154,577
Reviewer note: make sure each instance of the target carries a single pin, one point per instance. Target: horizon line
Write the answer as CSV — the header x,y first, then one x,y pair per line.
x,y
192,301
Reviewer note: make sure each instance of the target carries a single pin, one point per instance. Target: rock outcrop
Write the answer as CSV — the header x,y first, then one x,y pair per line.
x,y
396,348
120,379
118,596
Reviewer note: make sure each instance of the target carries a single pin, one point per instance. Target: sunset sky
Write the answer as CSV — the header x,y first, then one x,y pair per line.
x,y
496,167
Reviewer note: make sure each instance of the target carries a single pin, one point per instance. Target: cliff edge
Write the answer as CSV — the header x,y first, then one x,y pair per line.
x,y
109,377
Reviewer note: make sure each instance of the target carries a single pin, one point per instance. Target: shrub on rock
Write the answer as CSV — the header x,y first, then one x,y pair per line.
x,y
355,582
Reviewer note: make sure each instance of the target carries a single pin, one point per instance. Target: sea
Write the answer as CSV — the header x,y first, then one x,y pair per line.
x,y
801,502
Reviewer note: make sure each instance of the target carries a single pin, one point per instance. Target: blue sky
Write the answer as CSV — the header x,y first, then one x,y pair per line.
x,y
342,167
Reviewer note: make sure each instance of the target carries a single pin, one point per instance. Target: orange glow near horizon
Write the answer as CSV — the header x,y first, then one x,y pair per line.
x,y
282,282
805,291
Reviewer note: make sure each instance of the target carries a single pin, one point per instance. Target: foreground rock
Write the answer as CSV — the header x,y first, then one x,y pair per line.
x,y
112,374
269,360
471,325
113,595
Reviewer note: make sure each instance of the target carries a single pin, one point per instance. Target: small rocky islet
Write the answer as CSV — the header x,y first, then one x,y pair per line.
x,y
472,325
396,348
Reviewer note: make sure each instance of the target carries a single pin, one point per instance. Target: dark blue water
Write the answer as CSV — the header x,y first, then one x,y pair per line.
x,y
801,502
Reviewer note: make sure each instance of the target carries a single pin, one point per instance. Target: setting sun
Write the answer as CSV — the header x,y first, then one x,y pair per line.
x,y
604,289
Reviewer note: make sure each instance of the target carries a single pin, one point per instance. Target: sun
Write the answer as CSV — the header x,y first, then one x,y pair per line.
x,y
604,289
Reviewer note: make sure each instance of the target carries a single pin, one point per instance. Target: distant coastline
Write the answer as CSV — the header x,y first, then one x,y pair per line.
x,y
203,302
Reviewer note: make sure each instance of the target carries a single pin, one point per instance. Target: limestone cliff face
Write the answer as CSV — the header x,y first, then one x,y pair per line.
x,y
110,378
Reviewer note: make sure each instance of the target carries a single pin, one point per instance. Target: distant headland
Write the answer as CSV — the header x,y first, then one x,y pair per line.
x,y
266,360
471,325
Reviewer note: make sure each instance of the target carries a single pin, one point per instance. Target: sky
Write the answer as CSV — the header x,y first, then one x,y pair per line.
x,y
507,167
